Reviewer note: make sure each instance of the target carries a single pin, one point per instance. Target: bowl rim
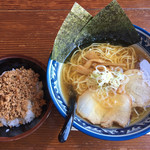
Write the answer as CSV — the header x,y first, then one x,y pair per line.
x,y
87,132
47,113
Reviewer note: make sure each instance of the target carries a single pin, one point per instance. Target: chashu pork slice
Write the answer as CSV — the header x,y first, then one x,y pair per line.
x,y
119,113
90,108
137,88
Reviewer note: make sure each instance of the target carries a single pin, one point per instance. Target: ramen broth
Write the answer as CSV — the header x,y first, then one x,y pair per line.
x,y
142,54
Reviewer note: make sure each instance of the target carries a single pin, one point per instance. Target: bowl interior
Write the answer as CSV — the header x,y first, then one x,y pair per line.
x,y
116,134
8,63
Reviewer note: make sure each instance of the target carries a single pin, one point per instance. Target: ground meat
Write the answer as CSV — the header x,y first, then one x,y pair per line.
x,y
17,87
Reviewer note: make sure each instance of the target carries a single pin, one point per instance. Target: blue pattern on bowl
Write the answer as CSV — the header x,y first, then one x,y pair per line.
x,y
116,134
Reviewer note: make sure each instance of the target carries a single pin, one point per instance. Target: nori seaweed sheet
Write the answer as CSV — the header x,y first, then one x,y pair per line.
x,y
71,27
110,25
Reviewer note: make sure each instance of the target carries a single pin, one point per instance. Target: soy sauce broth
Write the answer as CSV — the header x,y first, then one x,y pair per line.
x,y
142,55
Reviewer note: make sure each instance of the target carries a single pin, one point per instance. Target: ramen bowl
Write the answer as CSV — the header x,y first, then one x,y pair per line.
x,y
115,134
8,63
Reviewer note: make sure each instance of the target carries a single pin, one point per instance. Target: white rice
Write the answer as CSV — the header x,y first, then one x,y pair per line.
x,y
15,123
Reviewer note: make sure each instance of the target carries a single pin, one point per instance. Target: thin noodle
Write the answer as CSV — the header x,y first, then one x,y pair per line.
x,y
106,52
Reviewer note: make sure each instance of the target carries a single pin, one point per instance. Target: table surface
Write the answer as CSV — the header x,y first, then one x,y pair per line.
x,y
29,27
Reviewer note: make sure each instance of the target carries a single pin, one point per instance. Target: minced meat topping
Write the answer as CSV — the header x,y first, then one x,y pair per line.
x,y
17,87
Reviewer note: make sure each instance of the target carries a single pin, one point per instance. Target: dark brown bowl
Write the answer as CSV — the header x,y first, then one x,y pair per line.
x,y
17,61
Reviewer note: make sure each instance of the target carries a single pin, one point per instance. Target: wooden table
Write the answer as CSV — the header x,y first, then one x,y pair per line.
x,y
29,27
